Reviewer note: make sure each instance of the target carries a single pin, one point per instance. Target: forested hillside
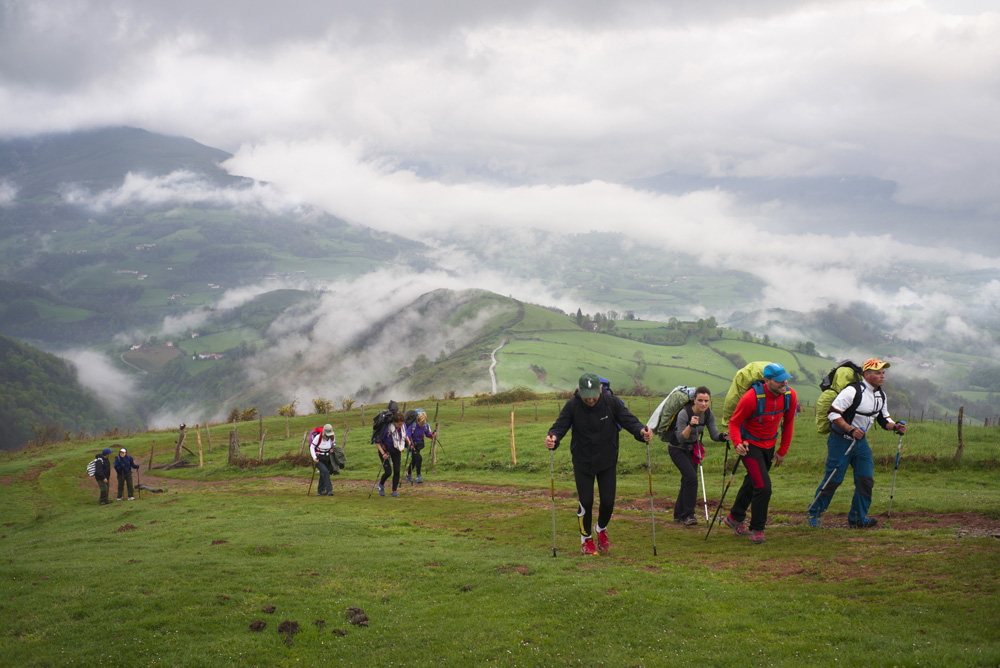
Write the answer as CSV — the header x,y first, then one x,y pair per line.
x,y
40,398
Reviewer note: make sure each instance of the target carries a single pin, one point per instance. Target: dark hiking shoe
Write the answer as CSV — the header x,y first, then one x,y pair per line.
x,y
381,490
757,537
690,521
588,548
409,478
866,523
395,494
419,478
603,544
814,521
737,527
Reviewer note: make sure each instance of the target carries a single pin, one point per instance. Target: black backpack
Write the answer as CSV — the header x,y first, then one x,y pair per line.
x,y
383,420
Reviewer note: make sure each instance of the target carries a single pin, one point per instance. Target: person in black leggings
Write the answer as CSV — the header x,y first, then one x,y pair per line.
x,y
390,448
595,415
686,434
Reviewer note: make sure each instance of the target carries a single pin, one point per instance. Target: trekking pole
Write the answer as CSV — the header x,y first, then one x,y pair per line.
x,y
899,445
724,490
138,484
552,485
701,472
652,517
833,473
406,465
704,492
313,477
377,476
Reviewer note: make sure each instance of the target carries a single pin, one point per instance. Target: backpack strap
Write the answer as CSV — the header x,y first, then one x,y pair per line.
x,y
759,412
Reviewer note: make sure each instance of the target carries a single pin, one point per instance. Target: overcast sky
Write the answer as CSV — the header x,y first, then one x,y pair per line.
x,y
439,116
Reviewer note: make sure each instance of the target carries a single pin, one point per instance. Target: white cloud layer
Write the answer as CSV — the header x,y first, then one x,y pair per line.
x,y
113,387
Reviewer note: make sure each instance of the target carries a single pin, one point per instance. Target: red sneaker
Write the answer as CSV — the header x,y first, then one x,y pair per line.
x,y
588,547
603,544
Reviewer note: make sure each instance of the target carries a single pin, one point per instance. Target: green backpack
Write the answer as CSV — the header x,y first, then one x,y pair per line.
x,y
839,377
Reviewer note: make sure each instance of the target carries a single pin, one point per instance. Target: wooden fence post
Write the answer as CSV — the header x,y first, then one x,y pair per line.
x,y
234,445
302,448
201,458
961,441
180,442
260,455
149,466
513,451
462,417
287,434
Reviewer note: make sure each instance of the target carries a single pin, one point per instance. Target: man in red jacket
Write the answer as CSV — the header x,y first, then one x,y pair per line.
x,y
767,405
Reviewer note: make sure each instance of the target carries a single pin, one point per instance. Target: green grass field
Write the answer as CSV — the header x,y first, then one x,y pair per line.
x,y
460,570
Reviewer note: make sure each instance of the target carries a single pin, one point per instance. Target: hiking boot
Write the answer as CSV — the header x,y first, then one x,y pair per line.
x,y
603,544
757,537
588,547
690,521
131,498
814,521
866,523
419,478
409,478
737,527
381,490
395,494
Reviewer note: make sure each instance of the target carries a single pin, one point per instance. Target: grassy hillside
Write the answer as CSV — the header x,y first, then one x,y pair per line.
x,y
460,570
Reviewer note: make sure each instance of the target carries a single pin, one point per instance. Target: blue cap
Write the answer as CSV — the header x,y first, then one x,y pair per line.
x,y
777,373
105,451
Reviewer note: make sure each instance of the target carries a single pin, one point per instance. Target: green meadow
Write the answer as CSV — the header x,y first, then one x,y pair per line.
x,y
466,570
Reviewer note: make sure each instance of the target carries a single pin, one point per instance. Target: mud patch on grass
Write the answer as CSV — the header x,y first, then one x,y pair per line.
x,y
288,629
123,528
513,568
357,616
258,625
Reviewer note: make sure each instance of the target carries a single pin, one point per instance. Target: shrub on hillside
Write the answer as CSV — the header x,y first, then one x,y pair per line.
x,y
506,397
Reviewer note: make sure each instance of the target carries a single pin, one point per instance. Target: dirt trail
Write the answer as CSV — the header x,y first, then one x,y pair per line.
x,y
966,524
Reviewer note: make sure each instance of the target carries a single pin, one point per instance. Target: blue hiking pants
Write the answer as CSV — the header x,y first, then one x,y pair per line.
x,y
860,460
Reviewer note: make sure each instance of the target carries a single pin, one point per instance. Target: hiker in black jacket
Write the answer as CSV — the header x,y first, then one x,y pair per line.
x,y
101,474
595,416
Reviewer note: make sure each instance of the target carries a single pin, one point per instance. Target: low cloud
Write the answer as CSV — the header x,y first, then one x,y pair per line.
x,y
179,187
114,388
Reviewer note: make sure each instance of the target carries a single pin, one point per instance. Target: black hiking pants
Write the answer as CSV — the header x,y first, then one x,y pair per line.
x,y
687,498
391,467
607,481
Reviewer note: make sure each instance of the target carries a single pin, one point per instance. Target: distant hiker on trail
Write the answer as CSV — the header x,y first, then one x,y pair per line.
x,y
594,417
321,446
850,418
417,432
102,471
753,429
123,469
390,447
685,441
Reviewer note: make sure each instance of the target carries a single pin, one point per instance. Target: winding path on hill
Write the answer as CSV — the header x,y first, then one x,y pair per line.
x,y
493,364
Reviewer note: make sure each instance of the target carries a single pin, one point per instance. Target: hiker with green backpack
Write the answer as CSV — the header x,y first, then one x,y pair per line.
x,y
857,405
768,404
